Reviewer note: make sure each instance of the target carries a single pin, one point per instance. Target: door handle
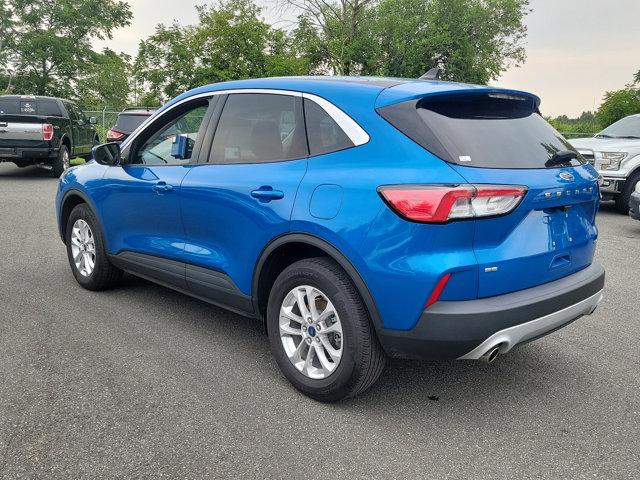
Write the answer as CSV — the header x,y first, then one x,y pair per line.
x,y
162,187
267,193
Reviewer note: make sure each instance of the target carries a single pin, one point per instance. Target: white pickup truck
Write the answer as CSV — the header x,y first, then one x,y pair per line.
x,y
615,153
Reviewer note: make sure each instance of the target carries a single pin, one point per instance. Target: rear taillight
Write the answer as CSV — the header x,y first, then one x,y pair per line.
x,y
443,203
47,132
114,135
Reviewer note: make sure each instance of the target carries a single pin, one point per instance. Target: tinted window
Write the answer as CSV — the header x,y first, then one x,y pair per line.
x,y
323,132
50,108
9,106
28,107
16,106
162,148
480,130
73,115
127,123
257,128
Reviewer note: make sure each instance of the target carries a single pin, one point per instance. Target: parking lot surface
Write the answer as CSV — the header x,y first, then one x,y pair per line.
x,y
143,382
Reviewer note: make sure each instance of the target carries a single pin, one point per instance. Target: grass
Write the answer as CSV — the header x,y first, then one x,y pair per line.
x,y
76,161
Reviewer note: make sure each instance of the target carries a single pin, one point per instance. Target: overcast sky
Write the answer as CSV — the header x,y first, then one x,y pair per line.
x,y
576,49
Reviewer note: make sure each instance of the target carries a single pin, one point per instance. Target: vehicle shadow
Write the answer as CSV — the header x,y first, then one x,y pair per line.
x,y
9,171
526,372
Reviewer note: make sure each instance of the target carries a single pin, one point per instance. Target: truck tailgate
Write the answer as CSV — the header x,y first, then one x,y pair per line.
x,y
21,132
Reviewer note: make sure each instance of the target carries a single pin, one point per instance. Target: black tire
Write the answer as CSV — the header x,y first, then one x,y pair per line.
x,y
363,358
104,275
624,197
61,163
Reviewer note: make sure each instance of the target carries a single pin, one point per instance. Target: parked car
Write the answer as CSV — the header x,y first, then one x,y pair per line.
x,y
615,153
358,218
127,122
634,203
44,131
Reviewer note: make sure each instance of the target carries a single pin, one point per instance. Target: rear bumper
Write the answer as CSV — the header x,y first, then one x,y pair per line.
x,y
634,205
25,154
468,329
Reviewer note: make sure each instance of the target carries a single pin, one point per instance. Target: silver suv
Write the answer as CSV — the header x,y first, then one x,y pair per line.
x,y
615,153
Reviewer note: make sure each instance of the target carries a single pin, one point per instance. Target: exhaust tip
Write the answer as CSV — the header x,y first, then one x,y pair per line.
x,y
491,355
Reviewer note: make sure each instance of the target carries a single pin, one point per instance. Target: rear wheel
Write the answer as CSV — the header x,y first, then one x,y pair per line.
x,y
623,198
62,161
87,253
320,332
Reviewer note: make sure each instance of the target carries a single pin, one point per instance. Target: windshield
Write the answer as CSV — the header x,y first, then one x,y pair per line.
x,y
488,130
628,127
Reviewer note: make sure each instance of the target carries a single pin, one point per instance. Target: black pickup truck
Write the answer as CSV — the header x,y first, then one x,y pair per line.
x,y
44,131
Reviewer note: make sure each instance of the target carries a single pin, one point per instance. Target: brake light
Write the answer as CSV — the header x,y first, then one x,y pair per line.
x,y
47,132
442,203
114,135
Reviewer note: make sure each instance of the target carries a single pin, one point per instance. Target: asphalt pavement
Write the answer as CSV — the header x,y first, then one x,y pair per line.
x,y
143,382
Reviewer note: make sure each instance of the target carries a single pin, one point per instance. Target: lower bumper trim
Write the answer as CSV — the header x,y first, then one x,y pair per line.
x,y
510,337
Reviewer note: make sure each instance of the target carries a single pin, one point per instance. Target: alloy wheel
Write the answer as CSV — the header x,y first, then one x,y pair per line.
x,y
311,332
83,247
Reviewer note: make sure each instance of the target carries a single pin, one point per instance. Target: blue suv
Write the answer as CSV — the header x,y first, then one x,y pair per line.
x,y
358,218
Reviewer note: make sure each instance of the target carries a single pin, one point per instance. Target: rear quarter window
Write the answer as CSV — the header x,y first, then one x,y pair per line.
x,y
488,130
323,133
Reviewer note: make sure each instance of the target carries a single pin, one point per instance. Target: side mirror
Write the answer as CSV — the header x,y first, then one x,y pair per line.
x,y
107,154
93,120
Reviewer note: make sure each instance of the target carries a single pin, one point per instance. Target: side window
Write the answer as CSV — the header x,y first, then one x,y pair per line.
x,y
72,112
80,114
259,127
324,134
173,143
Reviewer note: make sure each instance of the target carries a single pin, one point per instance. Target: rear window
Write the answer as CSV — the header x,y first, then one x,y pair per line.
x,y
19,106
489,130
127,123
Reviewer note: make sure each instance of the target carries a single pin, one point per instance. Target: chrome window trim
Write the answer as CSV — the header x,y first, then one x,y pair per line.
x,y
355,132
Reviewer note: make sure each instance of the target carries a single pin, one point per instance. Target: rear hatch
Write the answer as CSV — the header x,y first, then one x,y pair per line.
x,y
492,137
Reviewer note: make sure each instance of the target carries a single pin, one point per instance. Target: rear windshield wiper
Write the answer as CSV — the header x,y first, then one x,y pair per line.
x,y
563,156
604,135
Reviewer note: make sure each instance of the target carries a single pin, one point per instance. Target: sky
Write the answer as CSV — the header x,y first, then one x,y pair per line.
x,y
576,49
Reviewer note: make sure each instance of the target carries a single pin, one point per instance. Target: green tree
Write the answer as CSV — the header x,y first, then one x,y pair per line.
x,y
344,29
619,104
166,63
471,40
229,42
50,43
105,81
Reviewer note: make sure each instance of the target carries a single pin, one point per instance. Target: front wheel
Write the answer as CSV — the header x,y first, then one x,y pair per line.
x,y
623,198
87,252
320,332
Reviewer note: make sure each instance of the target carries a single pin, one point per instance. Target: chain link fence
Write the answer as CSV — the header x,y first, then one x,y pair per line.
x,y
106,120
